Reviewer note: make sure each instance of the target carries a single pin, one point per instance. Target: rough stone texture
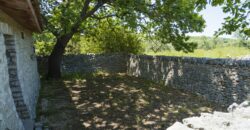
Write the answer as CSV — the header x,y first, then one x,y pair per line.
x,y
222,81
8,115
90,63
14,83
179,126
18,77
237,118
219,80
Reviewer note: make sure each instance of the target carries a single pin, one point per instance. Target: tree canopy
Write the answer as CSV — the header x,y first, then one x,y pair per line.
x,y
169,21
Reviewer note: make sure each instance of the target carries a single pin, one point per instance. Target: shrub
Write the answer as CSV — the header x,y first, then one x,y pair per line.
x,y
102,39
116,39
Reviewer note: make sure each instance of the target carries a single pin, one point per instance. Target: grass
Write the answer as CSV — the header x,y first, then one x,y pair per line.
x,y
223,52
115,101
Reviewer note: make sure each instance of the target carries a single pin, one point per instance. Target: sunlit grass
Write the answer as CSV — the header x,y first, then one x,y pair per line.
x,y
225,52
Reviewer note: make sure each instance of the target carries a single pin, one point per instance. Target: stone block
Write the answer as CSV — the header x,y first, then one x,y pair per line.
x,y
238,119
178,126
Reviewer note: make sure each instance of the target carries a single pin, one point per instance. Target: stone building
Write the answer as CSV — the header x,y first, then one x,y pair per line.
x,y
19,79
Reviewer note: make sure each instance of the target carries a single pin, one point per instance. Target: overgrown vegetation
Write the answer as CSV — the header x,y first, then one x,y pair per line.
x,y
113,39
102,39
119,40
206,47
168,22
222,52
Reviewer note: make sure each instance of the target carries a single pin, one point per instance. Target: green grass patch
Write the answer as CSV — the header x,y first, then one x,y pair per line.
x,y
223,52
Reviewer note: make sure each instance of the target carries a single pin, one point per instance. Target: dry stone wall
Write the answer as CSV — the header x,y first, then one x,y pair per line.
x,y
114,63
219,80
89,63
223,81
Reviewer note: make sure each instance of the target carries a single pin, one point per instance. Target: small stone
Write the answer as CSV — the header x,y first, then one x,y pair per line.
x,y
232,107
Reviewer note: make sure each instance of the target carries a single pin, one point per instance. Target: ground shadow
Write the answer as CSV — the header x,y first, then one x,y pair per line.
x,y
116,101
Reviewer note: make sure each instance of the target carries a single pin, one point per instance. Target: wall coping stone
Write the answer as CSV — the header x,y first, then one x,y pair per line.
x,y
230,62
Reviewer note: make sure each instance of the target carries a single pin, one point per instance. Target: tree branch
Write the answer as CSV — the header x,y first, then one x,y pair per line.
x,y
85,14
49,26
96,7
103,17
85,8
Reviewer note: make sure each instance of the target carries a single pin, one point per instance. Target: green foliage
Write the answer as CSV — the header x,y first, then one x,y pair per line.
x,y
44,43
213,47
154,45
44,49
218,52
73,46
89,46
209,43
105,38
244,43
117,39
166,21
243,39
239,18
206,44
239,15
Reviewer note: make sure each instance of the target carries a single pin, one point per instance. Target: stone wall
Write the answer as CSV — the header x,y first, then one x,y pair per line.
x,y
89,63
219,80
18,76
14,82
8,115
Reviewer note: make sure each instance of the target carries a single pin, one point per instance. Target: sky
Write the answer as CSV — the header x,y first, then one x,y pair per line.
x,y
214,18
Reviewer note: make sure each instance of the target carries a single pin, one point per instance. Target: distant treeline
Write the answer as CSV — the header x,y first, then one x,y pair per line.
x,y
203,42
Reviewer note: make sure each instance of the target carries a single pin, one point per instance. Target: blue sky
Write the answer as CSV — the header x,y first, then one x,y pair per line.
x,y
214,18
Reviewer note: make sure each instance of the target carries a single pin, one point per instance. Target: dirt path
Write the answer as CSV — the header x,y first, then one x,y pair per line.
x,y
103,101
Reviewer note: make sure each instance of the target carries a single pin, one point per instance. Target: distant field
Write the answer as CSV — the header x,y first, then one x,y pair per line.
x,y
223,52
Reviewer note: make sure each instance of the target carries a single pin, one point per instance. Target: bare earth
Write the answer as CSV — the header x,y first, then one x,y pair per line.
x,y
114,101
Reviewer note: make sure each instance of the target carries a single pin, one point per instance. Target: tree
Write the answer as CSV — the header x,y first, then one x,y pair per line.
x,y
243,39
167,20
239,18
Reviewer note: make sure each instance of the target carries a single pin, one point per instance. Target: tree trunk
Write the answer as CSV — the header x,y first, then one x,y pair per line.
x,y
55,58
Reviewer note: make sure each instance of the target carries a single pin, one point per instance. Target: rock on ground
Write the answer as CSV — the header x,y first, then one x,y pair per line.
x,y
237,118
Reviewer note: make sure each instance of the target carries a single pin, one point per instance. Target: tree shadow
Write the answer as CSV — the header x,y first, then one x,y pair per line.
x,y
222,81
55,109
232,84
117,101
